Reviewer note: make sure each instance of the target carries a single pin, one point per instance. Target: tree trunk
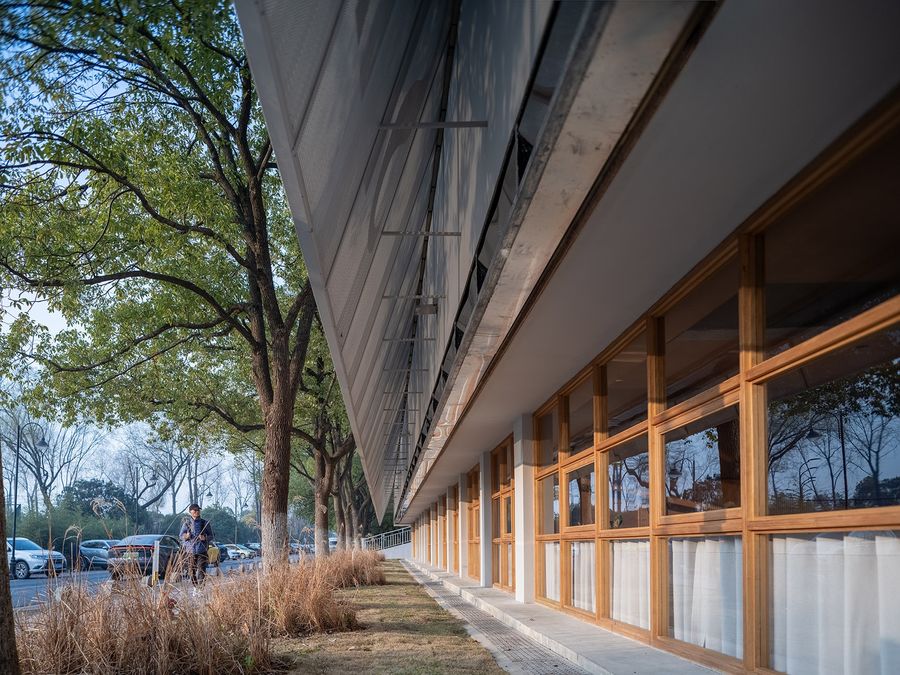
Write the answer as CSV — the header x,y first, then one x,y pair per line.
x,y
350,514
45,497
730,463
324,472
340,520
9,657
275,479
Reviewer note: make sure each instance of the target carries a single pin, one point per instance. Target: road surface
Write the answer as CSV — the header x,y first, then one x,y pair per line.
x,y
32,591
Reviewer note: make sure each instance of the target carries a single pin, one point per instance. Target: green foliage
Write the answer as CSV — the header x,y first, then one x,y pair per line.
x,y
89,496
223,523
137,198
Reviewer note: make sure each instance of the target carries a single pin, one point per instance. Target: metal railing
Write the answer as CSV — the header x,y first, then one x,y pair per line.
x,y
378,542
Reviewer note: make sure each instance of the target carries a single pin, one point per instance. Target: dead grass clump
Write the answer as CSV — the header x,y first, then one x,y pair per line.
x,y
290,599
131,629
355,568
126,627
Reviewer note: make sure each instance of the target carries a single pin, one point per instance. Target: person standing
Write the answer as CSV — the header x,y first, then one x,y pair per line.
x,y
196,535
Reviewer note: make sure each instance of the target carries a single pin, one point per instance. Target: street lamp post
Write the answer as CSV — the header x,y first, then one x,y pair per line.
x,y
42,444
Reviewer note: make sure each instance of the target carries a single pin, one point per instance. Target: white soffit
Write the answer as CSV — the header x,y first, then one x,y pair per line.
x,y
770,85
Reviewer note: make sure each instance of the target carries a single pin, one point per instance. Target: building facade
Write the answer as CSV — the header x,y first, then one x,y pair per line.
x,y
611,291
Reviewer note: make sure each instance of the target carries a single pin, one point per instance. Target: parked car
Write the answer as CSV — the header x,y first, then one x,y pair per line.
x,y
233,551
94,553
134,555
255,546
32,559
246,551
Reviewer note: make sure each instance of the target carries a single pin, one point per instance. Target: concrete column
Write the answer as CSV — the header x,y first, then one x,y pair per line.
x,y
484,485
451,541
434,536
523,468
463,526
441,562
420,541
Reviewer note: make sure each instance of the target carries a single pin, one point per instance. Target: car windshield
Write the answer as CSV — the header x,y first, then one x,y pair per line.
x,y
24,544
140,540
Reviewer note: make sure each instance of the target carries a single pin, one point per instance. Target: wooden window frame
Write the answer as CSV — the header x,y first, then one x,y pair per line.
x,y
453,528
501,458
442,530
746,389
473,515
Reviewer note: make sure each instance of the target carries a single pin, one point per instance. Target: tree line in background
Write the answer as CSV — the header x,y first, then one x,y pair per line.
x,y
141,201
93,484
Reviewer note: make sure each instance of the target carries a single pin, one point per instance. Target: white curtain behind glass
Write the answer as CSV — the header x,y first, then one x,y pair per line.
x,y
836,603
706,593
583,568
551,570
631,582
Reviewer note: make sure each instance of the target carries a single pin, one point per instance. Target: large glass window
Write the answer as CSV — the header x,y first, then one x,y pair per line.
x,y
833,602
551,570
835,255
583,562
508,515
582,491
630,582
703,468
548,438
626,386
581,416
834,430
629,484
701,334
705,593
548,493
502,516
495,517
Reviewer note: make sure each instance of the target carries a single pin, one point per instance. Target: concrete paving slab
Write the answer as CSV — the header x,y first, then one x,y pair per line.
x,y
590,647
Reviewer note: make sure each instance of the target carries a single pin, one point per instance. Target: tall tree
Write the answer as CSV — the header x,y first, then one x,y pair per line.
x,y
139,197
9,656
59,464
327,440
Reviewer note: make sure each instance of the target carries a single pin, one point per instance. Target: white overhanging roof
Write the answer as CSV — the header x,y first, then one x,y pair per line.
x,y
436,156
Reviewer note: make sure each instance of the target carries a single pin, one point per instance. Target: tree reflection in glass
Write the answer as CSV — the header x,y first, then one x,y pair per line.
x,y
629,484
834,431
703,469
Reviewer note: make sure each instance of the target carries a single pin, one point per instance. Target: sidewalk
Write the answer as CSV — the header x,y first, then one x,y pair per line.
x,y
590,647
514,651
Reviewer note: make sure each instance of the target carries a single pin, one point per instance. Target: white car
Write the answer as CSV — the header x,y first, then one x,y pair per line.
x,y
32,559
232,551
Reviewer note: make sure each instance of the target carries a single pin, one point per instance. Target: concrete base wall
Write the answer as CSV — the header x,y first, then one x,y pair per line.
x,y
402,551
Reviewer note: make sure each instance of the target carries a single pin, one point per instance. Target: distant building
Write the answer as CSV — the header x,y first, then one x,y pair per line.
x,y
612,294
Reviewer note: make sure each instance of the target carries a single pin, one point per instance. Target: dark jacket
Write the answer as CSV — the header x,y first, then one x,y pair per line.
x,y
195,528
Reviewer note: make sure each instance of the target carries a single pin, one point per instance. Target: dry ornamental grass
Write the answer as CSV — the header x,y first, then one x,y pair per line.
x,y
127,627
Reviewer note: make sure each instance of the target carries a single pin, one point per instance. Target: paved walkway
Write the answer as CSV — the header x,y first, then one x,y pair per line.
x,y
514,651
532,638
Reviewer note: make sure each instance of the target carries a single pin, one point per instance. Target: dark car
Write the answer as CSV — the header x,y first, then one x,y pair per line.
x,y
254,546
134,555
94,553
